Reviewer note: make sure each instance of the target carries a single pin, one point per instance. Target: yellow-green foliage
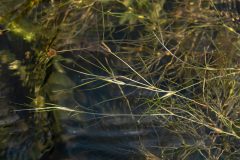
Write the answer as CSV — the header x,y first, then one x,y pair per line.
x,y
21,31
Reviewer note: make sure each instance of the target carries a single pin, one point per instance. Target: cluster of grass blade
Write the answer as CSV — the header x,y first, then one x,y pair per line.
x,y
181,57
187,57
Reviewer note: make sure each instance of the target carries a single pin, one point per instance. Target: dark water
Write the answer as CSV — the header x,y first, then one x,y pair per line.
x,y
109,127
30,135
108,121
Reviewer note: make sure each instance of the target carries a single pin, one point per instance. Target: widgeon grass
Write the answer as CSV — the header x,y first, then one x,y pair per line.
x,y
181,57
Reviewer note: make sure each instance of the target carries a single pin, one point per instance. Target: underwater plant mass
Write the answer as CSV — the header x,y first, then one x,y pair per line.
x,y
119,79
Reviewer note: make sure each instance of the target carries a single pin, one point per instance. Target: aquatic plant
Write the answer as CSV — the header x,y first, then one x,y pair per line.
x,y
174,62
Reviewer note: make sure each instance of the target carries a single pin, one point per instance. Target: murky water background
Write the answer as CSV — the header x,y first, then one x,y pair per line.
x,y
99,120
110,125
105,130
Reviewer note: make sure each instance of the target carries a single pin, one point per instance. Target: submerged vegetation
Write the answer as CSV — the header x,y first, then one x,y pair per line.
x,y
174,63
